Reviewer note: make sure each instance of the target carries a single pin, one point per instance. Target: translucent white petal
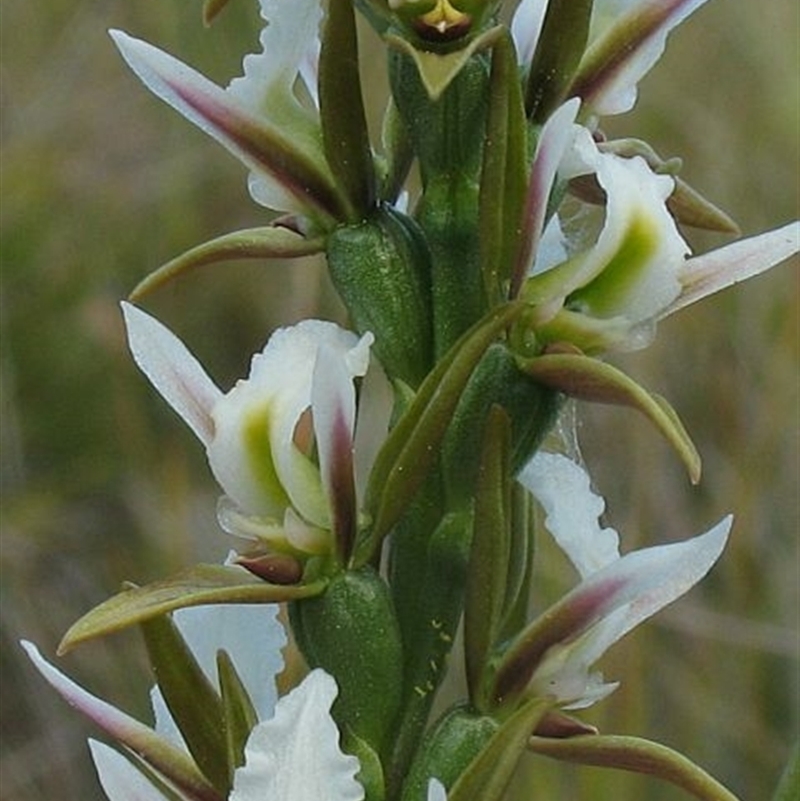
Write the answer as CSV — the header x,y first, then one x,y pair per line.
x,y
622,595
526,27
572,511
704,275
172,370
555,137
120,780
252,636
296,755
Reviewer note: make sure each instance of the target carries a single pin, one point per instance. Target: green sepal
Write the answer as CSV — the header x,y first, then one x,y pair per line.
x,y
193,702
447,750
269,242
685,204
351,631
636,755
437,70
504,175
341,107
412,446
489,773
239,714
381,269
562,41
487,573
588,379
197,586
399,153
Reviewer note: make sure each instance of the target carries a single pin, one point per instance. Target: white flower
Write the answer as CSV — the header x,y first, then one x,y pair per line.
x,y
609,293
263,118
616,592
292,753
258,436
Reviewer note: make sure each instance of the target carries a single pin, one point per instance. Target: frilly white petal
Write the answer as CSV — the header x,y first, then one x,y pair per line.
x,y
572,510
120,780
288,41
172,370
252,636
296,755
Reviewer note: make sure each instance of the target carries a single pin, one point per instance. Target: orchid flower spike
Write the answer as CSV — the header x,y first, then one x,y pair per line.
x,y
281,442
292,752
268,118
554,655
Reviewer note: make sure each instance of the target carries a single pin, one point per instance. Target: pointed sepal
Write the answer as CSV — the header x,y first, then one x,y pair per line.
x,y
269,242
238,713
588,379
636,755
197,586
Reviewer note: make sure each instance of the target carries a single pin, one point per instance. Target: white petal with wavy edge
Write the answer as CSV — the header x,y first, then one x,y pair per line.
x,y
296,755
563,489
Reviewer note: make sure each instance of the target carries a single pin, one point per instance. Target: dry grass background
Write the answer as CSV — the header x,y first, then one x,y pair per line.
x,y
100,483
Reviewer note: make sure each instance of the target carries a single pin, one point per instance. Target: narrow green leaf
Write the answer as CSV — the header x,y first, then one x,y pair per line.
x,y
193,702
344,124
503,178
586,378
490,772
636,755
239,714
411,448
562,41
197,586
489,552
269,242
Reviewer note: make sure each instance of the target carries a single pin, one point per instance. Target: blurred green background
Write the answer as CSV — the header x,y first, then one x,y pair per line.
x,y
101,483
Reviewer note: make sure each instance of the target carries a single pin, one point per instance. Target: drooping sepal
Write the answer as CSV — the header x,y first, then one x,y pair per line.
x,y
197,586
269,242
636,755
588,379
